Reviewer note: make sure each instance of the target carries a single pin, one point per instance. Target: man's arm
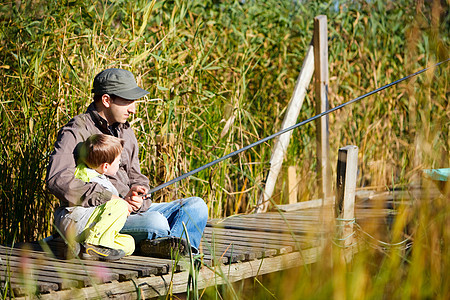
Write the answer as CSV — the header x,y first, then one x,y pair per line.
x,y
134,169
139,183
60,178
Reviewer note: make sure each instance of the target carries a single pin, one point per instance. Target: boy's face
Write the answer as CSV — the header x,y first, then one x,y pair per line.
x,y
114,167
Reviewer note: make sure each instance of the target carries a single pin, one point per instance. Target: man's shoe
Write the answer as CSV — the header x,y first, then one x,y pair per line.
x,y
165,247
61,248
95,252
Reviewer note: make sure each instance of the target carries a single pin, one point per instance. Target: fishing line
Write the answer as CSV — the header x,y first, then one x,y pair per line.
x,y
289,129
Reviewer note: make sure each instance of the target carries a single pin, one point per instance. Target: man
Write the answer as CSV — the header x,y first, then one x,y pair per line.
x,y
156,227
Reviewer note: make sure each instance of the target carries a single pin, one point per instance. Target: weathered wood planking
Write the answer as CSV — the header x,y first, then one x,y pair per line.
x,y
238,246
220,245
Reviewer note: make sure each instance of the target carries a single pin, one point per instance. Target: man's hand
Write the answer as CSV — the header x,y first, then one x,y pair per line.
x,y
141,190
135,197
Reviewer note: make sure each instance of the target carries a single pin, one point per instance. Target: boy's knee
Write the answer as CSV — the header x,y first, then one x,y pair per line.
x,y
117,205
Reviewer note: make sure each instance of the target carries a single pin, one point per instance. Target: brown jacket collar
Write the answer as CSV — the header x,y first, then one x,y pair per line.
x,y
101,122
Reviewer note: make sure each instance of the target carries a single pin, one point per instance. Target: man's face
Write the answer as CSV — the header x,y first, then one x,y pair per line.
x,y
119,110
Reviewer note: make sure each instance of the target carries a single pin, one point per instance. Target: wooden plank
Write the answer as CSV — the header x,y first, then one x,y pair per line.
x,y
248,252
57,267
19,288
251,252
273,219
275,238
362,195
242,244
233,252
270,224
306,215
62,280
290,118
165,265
283,246
143,270
83,277
124,270
255,228
230,254
320,42
249,242
306,204
306,228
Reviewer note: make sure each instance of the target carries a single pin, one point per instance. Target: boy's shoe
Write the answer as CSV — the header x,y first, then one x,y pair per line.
x,y
165,247
96,252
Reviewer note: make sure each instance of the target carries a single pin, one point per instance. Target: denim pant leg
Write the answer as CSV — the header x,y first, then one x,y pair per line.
x,y
193,212
146,225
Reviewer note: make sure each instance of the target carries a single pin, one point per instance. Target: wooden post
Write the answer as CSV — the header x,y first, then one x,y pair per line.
x,y
290,118
292,184
347,167
320,42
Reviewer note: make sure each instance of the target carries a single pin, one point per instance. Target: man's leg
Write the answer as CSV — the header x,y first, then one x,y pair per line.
x,y
193,212
146,225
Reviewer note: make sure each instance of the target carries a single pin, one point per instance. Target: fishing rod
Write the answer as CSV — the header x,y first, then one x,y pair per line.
x,y
151,191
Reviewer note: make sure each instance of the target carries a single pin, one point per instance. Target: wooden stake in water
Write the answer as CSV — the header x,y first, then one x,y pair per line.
x,y
347,168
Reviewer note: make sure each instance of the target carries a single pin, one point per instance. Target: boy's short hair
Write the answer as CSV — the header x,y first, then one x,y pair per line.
x,y
99,149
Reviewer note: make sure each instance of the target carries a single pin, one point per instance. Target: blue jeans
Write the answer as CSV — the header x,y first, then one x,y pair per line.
x,y
165,219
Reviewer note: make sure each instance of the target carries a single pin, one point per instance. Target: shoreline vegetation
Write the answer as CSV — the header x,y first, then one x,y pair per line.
x,y
220,75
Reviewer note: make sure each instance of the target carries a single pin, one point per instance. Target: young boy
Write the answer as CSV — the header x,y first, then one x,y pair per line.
x,y
98,227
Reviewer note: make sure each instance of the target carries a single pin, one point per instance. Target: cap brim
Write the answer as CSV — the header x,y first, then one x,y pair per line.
x,y
133,94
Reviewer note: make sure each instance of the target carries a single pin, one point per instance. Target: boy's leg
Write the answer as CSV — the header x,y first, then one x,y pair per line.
x,y
72,221
104,224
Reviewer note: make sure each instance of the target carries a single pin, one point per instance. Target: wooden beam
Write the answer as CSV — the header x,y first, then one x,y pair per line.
x,y
290,118
320,42
347,168
306,204
292,184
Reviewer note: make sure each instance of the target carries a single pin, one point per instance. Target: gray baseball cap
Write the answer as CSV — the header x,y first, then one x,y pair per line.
x,y
117,82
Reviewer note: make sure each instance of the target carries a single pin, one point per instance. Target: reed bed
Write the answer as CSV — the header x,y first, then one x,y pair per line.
x,y
220,75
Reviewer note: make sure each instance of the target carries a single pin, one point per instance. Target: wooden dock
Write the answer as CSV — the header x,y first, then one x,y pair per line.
x,y
235,248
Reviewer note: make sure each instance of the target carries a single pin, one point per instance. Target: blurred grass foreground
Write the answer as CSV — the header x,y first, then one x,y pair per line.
x,y
220,75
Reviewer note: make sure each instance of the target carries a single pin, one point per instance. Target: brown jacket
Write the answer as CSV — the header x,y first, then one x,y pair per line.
x,y
60,172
